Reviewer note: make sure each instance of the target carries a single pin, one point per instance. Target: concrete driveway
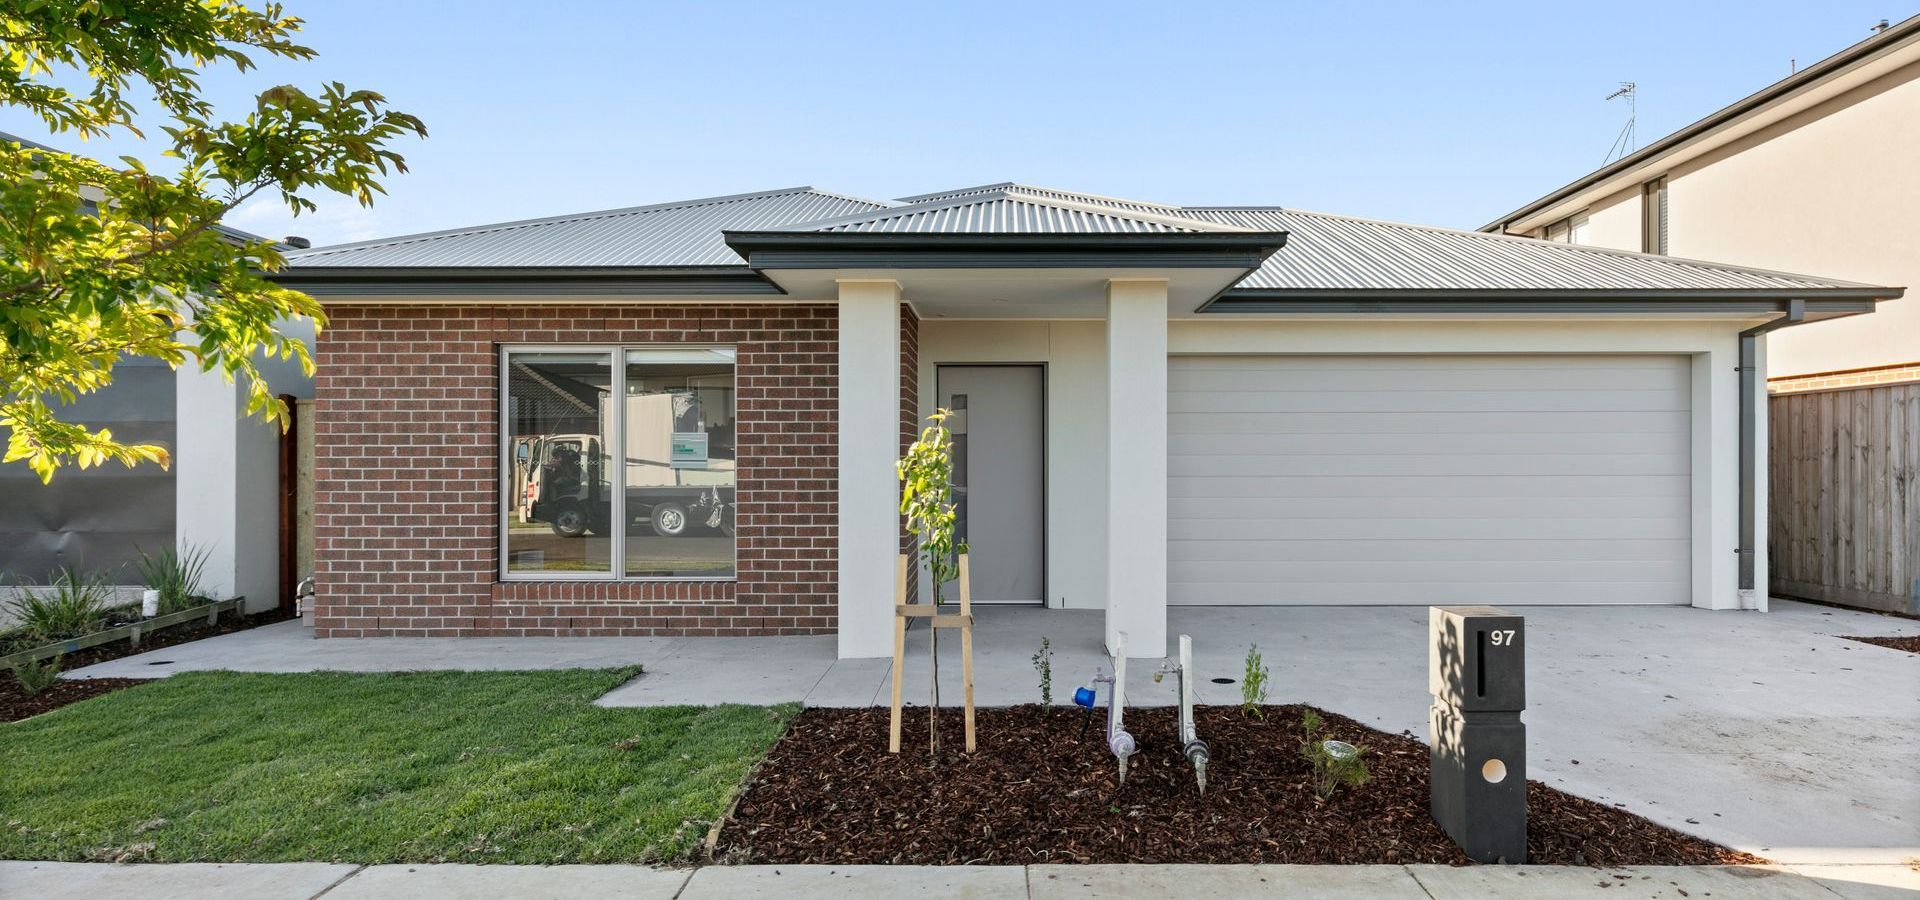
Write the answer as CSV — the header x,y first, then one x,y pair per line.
x,y
1764,732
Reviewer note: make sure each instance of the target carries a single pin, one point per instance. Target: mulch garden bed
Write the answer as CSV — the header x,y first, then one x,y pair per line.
x,y
1909,643
1037,792
16,705
183,633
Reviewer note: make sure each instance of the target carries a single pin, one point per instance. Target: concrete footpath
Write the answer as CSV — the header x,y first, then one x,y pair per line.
x,y
310,881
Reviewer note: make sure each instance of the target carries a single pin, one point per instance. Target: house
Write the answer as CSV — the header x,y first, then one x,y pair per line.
x,y
221,495
1157,405
1814,173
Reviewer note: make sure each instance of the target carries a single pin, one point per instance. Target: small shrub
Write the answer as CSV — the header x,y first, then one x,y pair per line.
x,y
1043,663
175,575
37,677
1330,769
72,605
1253,683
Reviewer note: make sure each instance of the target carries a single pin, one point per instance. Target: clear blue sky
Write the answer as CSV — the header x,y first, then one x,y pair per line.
x,y
1439,113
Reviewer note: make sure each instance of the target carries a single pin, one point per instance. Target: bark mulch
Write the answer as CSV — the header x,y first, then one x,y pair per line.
x,y
1909,643
16,705
1036,792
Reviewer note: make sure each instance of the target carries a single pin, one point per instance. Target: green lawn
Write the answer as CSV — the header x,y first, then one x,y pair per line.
x,y
505,767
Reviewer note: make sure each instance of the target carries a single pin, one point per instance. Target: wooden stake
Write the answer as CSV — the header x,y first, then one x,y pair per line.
x,y
899,649
966,645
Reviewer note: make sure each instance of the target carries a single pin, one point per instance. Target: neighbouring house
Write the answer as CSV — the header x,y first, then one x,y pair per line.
x,y
683,418
221,495
1814,173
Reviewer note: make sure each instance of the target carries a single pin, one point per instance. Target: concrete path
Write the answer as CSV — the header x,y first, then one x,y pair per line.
x,y
1764,732
310,881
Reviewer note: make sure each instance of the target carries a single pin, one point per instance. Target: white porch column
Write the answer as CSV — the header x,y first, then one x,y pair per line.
x,y
1137,464
869,532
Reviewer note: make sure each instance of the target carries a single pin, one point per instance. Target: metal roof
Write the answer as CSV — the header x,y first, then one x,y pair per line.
x,y
1323,253
1014,210
1048,194
1340,253
684,233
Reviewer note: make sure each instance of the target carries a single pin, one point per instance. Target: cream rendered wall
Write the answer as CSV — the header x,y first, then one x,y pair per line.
x,y
1834,192
1074,354
1712,345
1615,222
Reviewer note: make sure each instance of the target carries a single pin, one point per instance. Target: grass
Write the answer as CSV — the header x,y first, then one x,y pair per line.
x,y
500,767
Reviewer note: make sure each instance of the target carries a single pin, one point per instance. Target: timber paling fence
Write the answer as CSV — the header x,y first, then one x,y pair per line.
x,y
1844,496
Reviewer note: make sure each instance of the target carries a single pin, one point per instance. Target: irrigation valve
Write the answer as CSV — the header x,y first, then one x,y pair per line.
x,y
1477,675
1191,745
1119,742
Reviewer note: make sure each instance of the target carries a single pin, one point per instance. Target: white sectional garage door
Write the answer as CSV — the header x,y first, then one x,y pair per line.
x,y
1428,479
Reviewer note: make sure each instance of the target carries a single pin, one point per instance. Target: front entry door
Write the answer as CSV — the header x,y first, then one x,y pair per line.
x,y
999,481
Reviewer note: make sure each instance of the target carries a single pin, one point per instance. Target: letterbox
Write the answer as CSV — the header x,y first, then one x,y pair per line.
x,y
1477,675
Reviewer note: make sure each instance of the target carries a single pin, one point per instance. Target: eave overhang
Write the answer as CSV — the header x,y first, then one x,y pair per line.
x,y
868,250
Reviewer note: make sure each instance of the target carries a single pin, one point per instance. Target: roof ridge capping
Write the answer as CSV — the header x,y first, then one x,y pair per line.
x,y
580,217
1022,194
1057,193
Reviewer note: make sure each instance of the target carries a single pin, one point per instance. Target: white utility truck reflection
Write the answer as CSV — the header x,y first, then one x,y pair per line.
x,y
673,483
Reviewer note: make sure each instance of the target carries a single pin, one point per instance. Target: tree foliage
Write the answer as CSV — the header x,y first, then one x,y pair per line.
x,y
926,499
102,261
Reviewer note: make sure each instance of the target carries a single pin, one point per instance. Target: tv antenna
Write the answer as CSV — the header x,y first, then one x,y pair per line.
x,y
1623,143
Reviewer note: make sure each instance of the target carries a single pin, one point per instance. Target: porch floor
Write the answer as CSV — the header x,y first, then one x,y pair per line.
x,y
1764,732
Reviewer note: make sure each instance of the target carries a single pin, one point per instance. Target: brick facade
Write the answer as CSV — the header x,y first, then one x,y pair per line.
x,y
407,504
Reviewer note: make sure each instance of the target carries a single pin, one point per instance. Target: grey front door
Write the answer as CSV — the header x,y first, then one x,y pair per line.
x,y
1000,486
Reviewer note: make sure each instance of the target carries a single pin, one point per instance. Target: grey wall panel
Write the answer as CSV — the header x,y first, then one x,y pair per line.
x,y
96,519
1429,479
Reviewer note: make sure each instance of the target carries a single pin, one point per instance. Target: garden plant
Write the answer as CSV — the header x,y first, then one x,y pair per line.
x,y
926,500
1253,683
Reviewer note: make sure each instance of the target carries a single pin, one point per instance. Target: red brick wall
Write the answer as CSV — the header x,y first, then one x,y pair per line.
x,y
407,481
909,430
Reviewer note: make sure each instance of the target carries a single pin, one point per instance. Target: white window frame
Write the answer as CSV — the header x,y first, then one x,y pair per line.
x,y
617,502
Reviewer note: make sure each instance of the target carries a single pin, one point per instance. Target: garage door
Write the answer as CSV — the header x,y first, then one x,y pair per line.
x,y
1427,479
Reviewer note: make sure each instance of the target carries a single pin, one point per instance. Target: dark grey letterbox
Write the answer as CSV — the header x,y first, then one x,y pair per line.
x,y
1477,675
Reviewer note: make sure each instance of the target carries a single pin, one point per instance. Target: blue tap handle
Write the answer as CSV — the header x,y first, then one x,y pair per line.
x,y
1083,697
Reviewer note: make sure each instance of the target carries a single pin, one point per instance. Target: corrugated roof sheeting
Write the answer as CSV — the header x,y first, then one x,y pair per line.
x,y
1329,252
688,233
1008,215
1324,252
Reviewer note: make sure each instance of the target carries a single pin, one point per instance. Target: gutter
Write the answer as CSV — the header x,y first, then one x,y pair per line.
x,y
1795,314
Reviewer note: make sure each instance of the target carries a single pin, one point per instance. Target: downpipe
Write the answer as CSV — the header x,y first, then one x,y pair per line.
x,y
1796,313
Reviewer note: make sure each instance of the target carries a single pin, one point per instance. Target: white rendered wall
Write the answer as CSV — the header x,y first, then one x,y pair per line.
x,y
869,445
1074,354
226,501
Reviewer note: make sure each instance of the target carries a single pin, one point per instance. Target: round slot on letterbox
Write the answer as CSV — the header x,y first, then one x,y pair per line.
x,y
1494,771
